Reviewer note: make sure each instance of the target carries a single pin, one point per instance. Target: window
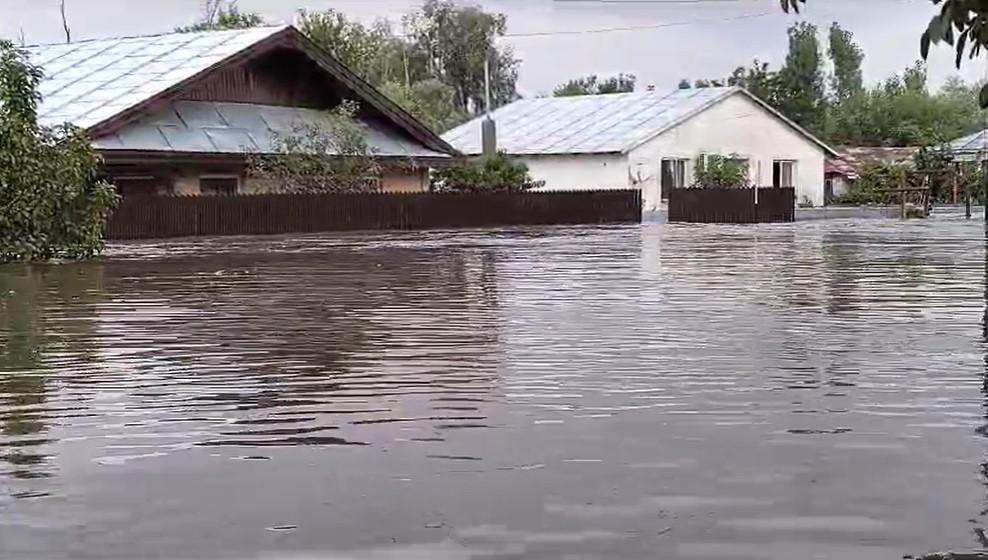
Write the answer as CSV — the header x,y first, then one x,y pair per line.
x,y
135,185
218,185
783,173
673,175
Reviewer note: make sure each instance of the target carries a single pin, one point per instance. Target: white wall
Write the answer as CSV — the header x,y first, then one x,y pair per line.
x,y
579,172
738,125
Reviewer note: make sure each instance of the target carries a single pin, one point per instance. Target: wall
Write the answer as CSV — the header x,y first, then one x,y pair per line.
x,y
412,180
736,125
579,172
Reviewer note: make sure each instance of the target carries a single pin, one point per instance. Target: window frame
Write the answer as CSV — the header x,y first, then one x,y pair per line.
x,y
777,179
219,177
684,173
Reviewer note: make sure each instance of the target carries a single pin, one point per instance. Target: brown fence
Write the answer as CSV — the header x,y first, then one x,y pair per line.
x,y
732,206
181,216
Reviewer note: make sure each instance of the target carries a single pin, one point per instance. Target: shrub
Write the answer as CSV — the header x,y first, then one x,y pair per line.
x,y
498,173
51,203
721,172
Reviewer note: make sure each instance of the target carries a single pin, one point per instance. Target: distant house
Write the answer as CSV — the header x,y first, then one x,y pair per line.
x,y
177,113
843,171
970,148
652,140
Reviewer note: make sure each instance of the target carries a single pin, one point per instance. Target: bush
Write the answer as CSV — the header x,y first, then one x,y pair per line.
x,y
498,173
721,172
51,203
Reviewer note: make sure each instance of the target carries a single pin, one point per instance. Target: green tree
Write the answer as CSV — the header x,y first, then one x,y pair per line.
x,y
714,171
331,156
757,79
847,57
219,15
497,173
51,203
458,40
592,85
800,81
963,24
429,100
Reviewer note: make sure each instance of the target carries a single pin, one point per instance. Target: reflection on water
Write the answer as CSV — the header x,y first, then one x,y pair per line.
x,y
811,390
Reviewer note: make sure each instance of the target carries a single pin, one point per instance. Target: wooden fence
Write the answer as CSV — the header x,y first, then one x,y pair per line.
x,y
732,206
181,216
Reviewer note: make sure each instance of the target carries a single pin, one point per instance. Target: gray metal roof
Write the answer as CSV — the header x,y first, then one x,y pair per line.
x,y
970,146
236,128
87,82
585,124
589,124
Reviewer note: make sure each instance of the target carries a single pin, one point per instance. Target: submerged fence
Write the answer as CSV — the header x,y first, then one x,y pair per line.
x,y
732,205
146,217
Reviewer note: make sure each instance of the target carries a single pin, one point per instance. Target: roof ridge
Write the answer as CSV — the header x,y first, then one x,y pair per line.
x,y
273,28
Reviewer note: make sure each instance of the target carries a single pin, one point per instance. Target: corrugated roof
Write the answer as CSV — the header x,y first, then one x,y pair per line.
x,y
87,82
235,128
970,145
585,124
589,124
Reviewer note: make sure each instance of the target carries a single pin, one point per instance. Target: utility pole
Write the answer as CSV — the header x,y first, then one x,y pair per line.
x,y
488,129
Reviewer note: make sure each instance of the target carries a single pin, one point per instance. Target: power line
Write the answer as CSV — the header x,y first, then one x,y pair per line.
x,y
638,27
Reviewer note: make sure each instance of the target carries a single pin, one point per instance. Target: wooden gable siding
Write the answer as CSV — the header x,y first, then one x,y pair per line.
x,y
282,77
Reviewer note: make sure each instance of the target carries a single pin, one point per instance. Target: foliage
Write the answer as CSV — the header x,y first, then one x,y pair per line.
x,y
800,93
847,57
498,173
330,157
218,16
714,171
701,84
757,79
875,180
457,41
592,85
436,69
684,84
430,100
51,204
962,24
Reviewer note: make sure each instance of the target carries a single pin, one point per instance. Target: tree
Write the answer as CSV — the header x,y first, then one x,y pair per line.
x,y
591,85
685,84
331,156
714,171
51,203
457,41
962,24
847,57
219,15
757,79
431,101
800,94
497,173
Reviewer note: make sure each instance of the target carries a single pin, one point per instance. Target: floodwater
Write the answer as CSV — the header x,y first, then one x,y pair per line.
x,y
809,390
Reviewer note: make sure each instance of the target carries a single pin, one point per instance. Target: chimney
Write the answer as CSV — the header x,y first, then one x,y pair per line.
x,y
489,136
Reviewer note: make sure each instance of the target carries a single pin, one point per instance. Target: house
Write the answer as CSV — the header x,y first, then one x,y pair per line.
x,y
970,148
843,172
180,112
652,140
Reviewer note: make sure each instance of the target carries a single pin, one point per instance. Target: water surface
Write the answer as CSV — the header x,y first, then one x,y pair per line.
x,y
810,390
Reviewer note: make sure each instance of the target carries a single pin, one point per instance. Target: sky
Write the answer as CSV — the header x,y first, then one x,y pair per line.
x,y
562,39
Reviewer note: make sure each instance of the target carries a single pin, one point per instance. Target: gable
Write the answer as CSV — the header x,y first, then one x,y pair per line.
x,y
105,85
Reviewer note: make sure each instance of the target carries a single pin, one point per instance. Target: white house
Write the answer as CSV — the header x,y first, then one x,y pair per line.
x,y
651,140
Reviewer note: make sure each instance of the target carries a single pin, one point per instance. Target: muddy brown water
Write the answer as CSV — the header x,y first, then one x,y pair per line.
x,y
812,390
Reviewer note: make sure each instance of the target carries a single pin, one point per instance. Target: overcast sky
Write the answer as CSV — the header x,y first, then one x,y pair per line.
x,y
687,39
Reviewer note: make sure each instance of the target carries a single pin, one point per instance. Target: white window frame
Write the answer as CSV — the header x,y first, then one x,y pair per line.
x,y
793,173
685,172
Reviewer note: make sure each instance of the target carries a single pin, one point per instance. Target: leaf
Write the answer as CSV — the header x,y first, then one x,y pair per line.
x,y
961,43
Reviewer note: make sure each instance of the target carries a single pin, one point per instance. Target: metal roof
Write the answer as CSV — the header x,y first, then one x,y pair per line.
x,y
87,82
970,146
236,128
588,124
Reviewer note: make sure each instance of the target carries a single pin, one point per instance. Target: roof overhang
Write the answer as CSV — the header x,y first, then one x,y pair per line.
x,y
289,37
